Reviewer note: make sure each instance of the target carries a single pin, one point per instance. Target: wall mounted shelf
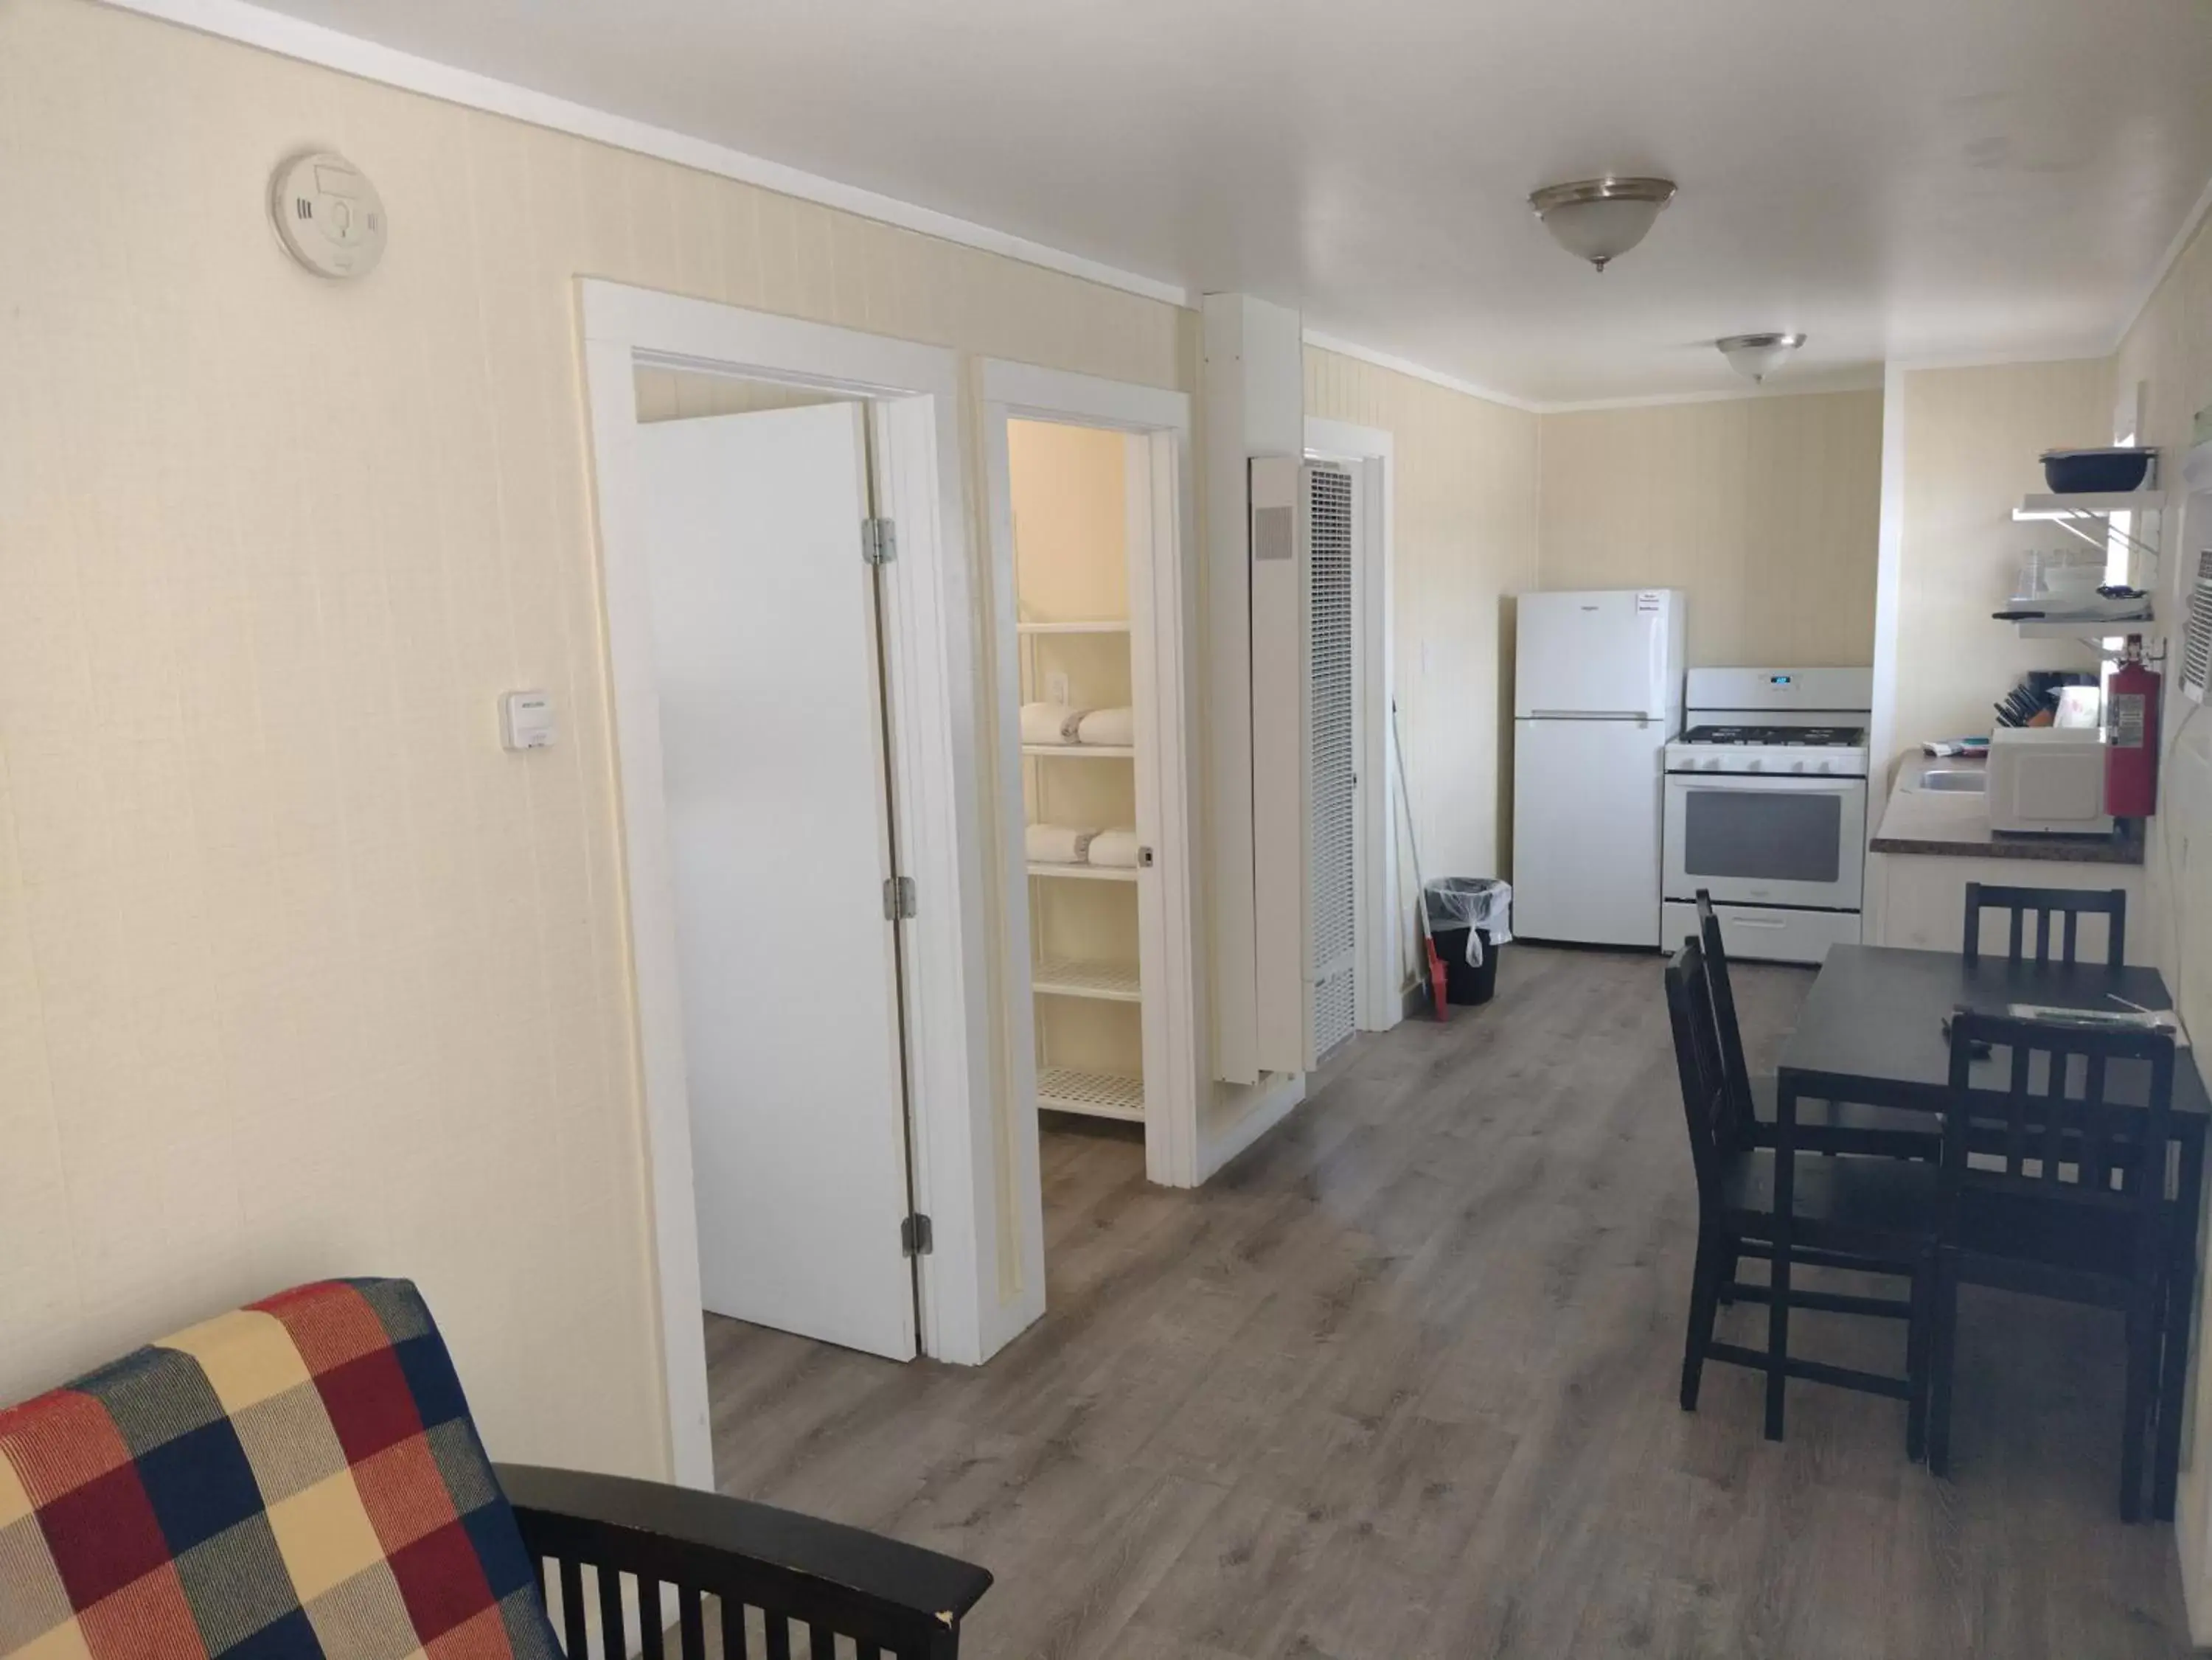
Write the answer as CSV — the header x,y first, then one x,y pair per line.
x,y
1085,872
1081,751
1106,981
1107,626
1097,1094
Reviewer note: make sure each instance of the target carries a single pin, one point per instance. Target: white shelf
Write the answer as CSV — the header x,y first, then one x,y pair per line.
x,y
1058,978
1082,751
1107,626
1097,1094
2087,628
2088,504
1085,872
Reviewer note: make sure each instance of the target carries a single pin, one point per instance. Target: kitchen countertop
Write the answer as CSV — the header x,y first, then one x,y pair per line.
x,y
1957,825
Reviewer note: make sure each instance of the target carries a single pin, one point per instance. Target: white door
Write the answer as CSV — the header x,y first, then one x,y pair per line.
x,y
1604,653
772,740
1586,808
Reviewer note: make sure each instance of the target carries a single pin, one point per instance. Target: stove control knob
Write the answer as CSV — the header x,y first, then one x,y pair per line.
x,y
1796,765
1826,767
1753,765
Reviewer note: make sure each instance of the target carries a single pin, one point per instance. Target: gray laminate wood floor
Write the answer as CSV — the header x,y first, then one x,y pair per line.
x,y
1400,1382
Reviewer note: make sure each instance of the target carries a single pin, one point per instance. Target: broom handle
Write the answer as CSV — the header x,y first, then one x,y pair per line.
x,y
1406,807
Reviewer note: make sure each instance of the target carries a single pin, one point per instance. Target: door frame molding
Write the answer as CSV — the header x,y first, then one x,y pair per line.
x,y
1371,453
913,393
1163,511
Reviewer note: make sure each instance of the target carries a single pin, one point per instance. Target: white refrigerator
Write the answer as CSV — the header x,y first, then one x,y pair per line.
x,y
1597,695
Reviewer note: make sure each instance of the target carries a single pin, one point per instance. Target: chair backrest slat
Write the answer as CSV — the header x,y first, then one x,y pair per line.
x,y
2078,1141
2070,905
1696,1059
1736,1122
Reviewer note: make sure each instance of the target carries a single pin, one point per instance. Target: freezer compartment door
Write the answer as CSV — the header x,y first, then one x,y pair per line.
x,y
1586,813
1612,653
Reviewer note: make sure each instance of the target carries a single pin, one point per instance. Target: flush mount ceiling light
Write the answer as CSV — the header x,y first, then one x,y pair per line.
x,y
1755,356
1601,219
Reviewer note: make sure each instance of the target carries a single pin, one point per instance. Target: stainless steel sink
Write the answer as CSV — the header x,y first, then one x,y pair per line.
x,y
1956,780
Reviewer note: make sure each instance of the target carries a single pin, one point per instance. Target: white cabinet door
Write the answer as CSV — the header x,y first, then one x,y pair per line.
x,y
765,663
1586,798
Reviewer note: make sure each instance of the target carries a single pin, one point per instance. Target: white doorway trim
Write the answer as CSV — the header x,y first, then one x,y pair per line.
x,y
1163,530
1371,452
929,644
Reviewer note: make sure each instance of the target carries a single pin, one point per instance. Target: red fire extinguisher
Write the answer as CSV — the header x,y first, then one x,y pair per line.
x,y
2131,733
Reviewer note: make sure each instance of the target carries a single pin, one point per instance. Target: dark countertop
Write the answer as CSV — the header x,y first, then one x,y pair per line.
x,y
1957,825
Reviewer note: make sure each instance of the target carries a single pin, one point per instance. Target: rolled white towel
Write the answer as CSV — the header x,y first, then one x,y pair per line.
x,y
1050,722
1117,727
1115,847
1057,844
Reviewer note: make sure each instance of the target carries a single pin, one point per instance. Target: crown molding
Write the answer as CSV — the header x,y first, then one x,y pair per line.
x,y
1343,348
349,54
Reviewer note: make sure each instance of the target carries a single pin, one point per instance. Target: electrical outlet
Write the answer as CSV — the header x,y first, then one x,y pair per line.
x,y
1055,686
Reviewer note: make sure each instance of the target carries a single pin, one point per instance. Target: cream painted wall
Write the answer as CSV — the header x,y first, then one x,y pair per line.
x,y
687,394
1466,531
299,973
1971,441
2169,349
1765,510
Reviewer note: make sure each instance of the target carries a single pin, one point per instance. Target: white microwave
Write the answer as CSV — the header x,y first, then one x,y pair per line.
x,y
2048,780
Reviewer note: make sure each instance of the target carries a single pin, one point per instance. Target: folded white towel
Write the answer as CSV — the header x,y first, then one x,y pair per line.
x,y
1057,844
1117,727
1115,847
1050,722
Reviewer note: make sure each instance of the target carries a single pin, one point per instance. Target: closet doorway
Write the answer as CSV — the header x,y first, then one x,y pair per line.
x,y
767,641
897,1219
1094,617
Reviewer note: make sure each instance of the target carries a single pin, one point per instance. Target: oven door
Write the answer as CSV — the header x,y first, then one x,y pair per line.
x,y
1750,840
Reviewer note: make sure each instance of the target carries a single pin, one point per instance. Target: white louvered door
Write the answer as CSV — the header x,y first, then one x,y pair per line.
x,y
1303,747
1331,755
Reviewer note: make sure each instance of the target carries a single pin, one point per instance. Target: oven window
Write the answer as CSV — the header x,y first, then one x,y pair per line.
x,y
1763,835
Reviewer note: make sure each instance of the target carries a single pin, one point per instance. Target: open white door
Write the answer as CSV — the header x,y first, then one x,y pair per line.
x,y
771,720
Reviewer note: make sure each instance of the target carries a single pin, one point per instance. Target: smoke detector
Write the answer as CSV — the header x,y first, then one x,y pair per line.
x,y
327,214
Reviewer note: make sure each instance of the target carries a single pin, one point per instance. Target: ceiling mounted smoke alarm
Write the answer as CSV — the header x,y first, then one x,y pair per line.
x,y
1755,356
327,214
1601,219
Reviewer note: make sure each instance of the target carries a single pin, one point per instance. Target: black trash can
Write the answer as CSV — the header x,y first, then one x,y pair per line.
x,y
1459,907
1465,985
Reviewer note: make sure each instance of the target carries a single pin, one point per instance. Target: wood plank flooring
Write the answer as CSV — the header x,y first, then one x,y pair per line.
x,y
1401,1383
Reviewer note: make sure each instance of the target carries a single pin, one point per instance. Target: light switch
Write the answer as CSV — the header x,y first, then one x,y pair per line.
x,y
525,720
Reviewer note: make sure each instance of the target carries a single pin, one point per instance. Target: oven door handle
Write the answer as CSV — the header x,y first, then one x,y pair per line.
x,y
1761,783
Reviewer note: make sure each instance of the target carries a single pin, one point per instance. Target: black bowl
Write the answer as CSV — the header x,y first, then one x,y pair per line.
x,y
2078,472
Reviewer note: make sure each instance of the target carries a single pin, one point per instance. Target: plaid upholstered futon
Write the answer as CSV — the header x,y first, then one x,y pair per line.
x,y
299,1478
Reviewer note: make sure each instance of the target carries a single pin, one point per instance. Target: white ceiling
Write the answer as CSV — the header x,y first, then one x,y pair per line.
x,y
1914,178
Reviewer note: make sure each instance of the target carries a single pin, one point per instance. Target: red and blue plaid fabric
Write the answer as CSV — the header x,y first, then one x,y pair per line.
x,y
296,1479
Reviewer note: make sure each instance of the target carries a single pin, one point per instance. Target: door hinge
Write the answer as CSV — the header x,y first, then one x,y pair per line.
x,y
878,541
898,898
917,1238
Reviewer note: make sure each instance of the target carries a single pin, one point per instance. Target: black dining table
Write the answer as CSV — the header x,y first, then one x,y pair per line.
x,y
1871,1031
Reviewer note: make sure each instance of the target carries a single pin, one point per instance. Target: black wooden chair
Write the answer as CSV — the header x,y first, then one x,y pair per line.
x,y
2043,904
1873,1215
2076,1207
716,1557
1822,1126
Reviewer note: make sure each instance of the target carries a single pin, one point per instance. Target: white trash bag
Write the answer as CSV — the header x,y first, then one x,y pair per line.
x,y
1480,905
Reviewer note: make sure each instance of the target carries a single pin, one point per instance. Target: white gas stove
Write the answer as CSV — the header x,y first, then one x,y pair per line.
x,y
1765,810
